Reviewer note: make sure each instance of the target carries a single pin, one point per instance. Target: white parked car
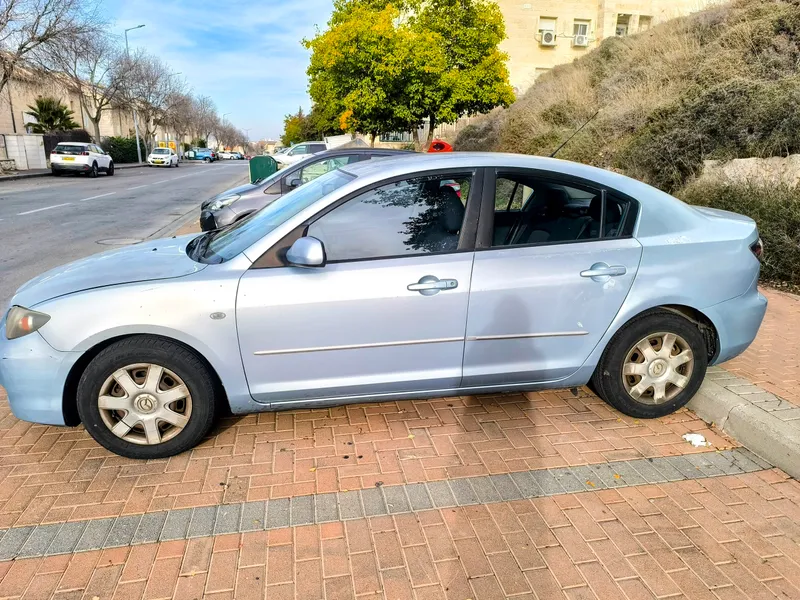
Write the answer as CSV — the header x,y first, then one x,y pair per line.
x,y
80,157
226,155
299,152
162,157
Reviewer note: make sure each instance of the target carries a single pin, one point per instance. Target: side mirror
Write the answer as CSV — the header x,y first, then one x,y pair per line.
x,y
306,252
295,183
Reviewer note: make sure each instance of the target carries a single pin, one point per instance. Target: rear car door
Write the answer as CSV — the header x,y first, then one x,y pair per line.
x,y
555,260
386,314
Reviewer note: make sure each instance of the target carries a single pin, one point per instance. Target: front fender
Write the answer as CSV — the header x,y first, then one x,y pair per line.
x,y
179,309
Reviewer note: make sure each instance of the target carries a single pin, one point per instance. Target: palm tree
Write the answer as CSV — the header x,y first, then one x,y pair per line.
x,y
51,115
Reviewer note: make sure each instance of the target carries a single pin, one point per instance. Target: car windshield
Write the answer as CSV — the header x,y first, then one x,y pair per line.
x,y
219,246
161,151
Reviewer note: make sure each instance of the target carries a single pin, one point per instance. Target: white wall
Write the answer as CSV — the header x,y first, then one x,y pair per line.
x,y
27,151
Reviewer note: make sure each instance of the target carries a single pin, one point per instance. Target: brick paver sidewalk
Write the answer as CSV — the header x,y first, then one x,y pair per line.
x,y
542,495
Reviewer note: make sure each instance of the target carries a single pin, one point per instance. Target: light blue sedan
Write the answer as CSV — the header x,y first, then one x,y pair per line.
x,y
414,277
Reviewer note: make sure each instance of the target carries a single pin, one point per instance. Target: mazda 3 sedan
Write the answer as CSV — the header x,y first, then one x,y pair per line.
x,y
414,277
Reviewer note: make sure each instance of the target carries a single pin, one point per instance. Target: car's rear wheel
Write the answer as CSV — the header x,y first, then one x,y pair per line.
x,y
207,160
146,397
110,169
93,171
55,172
653,366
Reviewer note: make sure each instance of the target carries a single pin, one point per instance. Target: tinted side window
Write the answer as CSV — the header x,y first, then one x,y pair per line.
x,y
536,211
312,171
299,149
314,148
415,216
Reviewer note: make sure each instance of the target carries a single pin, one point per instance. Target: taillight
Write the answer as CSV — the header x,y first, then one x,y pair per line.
x,y
85,153
757,248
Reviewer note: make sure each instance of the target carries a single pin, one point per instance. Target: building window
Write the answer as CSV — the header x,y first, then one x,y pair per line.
x,y
645,23
580,27
622,25
547,24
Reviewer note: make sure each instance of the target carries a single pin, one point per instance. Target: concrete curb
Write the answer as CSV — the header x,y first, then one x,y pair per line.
x,y
760,431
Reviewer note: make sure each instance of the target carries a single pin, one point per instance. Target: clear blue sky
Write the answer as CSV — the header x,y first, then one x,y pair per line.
x,y
246,55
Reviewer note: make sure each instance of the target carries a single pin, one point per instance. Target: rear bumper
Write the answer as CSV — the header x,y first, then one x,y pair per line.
x,y
34,374
77,167
737,322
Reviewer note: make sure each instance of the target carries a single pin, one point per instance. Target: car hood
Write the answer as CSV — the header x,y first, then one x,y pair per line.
x,y
147,261
242,189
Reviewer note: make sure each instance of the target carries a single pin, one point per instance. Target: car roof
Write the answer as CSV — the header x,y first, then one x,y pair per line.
x,y
75,143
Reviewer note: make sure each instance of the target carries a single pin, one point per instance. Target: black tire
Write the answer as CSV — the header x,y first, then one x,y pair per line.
x,y
110,170
147,349
206,160
608,378
55,173
93,172
177,164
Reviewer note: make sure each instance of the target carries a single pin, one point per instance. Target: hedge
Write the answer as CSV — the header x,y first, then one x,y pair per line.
x,y
123,149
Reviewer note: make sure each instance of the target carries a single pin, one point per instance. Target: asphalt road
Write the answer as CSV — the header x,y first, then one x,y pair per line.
x,y
50,221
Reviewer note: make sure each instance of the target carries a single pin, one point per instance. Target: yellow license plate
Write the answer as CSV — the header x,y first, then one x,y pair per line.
x,y
158,161
68,158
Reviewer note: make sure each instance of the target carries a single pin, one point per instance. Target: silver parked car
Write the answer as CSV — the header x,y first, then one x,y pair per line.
x,y
237,203
402,278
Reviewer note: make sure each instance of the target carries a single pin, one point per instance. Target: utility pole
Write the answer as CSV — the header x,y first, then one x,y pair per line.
x,y
135,120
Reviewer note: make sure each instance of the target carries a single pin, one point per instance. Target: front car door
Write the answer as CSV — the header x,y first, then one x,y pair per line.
x,y
385,315
555,261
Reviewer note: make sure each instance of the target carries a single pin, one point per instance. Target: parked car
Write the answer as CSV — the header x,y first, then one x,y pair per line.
x,y
80,157
229,155
237,203
204,154
162,157
376,281
298,152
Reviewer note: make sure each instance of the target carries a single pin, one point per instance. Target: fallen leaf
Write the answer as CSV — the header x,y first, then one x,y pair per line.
x,y
589,483
616,475
312,469
411,436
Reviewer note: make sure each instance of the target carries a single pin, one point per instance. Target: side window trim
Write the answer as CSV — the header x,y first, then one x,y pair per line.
x,y
486,225
275,256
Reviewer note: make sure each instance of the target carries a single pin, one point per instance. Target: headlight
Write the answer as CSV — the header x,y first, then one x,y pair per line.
x,y
22,321
223,202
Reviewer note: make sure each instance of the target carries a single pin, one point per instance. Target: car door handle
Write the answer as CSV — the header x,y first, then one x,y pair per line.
x,y
603,270
430,285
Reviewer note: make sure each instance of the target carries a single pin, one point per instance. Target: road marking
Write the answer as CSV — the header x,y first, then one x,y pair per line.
x,y
100,196
30,212
139,186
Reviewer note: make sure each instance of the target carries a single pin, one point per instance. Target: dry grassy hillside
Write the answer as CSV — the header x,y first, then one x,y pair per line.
x,y
722,83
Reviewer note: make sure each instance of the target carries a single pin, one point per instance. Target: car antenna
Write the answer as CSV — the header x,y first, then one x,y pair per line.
x,y
569,139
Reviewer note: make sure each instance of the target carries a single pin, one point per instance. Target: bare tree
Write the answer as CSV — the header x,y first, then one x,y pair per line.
x,y
96,69
205,117
178,116
28,27
151,88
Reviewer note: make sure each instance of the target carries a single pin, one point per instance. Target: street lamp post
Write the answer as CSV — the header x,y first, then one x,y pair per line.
x,y
135,120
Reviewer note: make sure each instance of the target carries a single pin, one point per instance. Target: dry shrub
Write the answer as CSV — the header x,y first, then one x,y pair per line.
x,y
721,83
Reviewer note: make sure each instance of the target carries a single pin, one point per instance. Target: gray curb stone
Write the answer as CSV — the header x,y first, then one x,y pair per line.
x,y
763,433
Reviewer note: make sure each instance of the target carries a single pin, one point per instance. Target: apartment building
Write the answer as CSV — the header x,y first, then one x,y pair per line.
x,y
22,91
545,33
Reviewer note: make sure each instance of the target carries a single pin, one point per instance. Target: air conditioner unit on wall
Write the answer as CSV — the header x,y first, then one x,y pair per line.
x,y
580,40
548,38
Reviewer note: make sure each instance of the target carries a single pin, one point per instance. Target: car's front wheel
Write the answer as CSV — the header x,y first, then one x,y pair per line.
x,y
653,366
110,170
146,397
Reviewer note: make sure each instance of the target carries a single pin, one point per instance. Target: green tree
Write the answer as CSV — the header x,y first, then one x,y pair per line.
x,y
383,66
51,115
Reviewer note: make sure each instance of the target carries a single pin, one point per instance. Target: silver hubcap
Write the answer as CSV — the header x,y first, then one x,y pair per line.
x,y
145,404
657,368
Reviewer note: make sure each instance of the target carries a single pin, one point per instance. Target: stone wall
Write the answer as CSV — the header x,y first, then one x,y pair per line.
x,y
771,171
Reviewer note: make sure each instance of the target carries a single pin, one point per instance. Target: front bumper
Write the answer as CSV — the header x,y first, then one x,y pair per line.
x,y
153,163
34,374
